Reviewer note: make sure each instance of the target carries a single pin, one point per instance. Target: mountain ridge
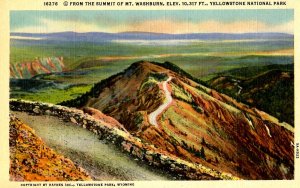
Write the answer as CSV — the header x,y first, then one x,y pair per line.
x,y
271,89
200,125
103,36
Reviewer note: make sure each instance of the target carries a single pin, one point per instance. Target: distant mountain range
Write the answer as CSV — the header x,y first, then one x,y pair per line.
x,y
100,36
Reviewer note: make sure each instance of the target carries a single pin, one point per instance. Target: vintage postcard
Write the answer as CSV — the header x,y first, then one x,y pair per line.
x,y
149,93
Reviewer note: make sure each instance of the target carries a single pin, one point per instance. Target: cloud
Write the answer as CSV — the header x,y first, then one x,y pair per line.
x,y
167,26
158,26
285,28
51,26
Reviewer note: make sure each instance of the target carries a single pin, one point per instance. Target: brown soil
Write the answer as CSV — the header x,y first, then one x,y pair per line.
x,y
32,160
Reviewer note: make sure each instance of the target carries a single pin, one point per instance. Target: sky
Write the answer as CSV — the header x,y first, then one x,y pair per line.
x,y
159,21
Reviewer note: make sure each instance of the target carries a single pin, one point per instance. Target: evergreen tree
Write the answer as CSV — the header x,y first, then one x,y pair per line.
x,y
216,160
203,141
202,153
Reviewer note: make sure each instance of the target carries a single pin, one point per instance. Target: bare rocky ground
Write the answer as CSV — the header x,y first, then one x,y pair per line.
x,y
103,161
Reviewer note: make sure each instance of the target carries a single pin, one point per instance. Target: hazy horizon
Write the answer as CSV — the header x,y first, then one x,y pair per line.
x,y
155,21
12,32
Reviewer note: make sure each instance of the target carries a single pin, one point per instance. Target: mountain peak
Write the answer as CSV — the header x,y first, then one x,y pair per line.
x,y
166,107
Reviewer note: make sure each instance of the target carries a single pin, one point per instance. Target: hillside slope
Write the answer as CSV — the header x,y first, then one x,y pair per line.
x,y
272,90
32,160
199,125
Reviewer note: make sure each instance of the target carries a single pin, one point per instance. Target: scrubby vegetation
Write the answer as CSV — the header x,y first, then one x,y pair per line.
x,y
181,94
153,78
268,88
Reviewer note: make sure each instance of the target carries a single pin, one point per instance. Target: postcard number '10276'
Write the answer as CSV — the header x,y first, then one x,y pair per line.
x,y
50,3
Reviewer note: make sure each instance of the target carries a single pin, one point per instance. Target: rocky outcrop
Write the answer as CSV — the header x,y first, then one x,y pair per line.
x,y
38,66
133,146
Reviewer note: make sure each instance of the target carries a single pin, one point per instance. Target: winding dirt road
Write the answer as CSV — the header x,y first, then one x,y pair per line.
x,y
103,161
153,116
